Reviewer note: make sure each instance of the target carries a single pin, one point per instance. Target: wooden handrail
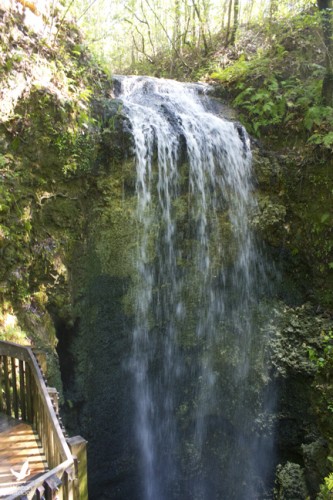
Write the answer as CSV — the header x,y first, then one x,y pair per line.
x,y
37,487
24,395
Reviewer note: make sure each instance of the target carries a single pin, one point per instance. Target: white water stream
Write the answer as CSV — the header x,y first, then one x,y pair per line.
x,y
196,349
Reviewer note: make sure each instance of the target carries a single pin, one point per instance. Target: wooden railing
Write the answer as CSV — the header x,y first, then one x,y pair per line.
x,y
25,396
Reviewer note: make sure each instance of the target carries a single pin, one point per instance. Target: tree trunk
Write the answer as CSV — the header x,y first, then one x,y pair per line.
x,y
235,23
228,24
250,9
273,6
176,28
325,9
202,27
224,11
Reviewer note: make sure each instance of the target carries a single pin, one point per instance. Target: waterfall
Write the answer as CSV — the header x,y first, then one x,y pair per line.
x,y
202,424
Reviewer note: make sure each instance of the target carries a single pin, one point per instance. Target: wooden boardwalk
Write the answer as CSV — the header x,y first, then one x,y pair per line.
x,y
36,458
18,444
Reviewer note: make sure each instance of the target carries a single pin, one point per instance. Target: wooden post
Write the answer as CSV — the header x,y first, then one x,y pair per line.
x,y
1,383
22,391
14,386
52,486
29,392
69,486
40,492
7,386
54,395
78,447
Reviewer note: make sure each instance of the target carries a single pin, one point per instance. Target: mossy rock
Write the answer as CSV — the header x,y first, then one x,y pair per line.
x,y
290,483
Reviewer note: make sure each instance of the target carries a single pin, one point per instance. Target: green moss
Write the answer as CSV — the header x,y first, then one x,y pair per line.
x,y
49,142
291,482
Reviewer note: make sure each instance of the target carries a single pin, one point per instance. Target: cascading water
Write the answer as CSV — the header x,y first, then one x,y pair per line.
x,y
198,350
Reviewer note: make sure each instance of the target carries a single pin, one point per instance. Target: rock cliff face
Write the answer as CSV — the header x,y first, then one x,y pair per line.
x,y
50,145
67,198
101,278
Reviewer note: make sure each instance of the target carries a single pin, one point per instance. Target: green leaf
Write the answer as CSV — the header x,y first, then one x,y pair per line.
x,y
316,139
268,106
324,218
328,139
329,482
216,75
273,86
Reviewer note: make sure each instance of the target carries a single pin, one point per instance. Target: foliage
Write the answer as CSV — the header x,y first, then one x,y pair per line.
x,y
326,354
322,358
168,38
281,84
76,145
47,134
326,489
265,106
9,328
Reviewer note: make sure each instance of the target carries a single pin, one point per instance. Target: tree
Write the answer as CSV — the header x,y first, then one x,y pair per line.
x,y
228,23
202,24
231,31
236,21
325,9
273,6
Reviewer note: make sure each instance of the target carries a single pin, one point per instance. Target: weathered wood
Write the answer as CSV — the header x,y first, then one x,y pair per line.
x,y
40,491
52,486
68,481
1,384
78,447
22,391
18,444
54,395
7,386
14,350
33,485
29,393
59,440
14,387
76,486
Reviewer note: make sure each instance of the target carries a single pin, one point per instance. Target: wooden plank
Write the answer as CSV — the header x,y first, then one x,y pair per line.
x,y
66,483
32,402
70,475
40,492
78,447
52,485
49,433
28,386
14,350
34,399
22,391
60,441
14,387
33,485
26,354
46,433
18,444
54,395
7,386
39,422
1,385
